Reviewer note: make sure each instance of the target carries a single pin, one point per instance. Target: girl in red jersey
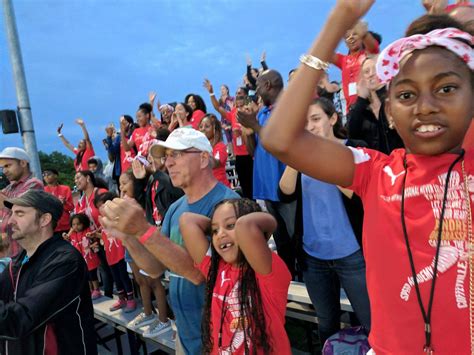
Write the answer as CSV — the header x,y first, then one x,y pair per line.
x,y
81,238
418,201
84,150
247,284
212,128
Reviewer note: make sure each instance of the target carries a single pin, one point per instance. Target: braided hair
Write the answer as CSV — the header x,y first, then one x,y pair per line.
x,y
252,319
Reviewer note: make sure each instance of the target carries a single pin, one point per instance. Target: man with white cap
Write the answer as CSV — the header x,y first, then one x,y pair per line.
x,y
16,167
186,154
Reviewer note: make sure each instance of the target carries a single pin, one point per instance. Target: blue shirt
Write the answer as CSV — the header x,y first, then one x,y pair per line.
x,y
187,300
327,231
267,170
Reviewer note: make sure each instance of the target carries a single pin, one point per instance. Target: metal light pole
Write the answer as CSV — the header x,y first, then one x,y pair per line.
x,y
24,109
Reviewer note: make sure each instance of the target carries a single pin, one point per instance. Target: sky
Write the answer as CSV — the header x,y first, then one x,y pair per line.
x,y
99,59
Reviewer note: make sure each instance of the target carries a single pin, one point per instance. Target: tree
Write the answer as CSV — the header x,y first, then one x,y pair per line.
x,y
62,163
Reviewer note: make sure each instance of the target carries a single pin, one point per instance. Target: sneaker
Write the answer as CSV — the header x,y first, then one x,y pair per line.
x,y
141,320
118,305
130,306
96,294
157,328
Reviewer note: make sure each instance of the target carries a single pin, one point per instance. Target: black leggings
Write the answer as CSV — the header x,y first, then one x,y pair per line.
x,y
244,169
93,275
120,275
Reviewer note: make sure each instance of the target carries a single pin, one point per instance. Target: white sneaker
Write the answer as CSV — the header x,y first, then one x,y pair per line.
x,y
157,328
141,320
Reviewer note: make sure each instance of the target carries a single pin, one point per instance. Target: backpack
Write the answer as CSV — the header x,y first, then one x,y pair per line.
x,y
350,341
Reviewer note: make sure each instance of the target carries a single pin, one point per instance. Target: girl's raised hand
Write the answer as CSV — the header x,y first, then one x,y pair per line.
x,y
138,169
357,8
60,128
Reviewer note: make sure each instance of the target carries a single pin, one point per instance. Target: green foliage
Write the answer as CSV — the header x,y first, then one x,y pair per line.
x,y
62,163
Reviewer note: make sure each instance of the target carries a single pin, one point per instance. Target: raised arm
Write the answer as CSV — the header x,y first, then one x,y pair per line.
x,y
215,103
284,134
126,144
370,43
82,124
63,139
194,228
252,231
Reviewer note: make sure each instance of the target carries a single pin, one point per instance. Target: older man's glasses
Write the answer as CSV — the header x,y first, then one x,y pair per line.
x,y
176,154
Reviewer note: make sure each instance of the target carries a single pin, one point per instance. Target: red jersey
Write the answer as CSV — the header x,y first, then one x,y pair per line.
x,y
88,153
143,138
469,138
196,118
350,66
237,140
126,158
274,293
63,193
82,243
86,205
219,152
114,250
397,323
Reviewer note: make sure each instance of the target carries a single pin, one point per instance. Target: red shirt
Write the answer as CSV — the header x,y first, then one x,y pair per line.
x,y
63,193
82,243
219,152
114,250
274,292
126,158
237,140
88,153
469,138
196,118
397,323
157,217
86,205
350,66
143,138
15,189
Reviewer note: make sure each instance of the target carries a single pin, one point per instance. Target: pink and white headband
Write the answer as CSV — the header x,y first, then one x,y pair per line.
x,y
388,62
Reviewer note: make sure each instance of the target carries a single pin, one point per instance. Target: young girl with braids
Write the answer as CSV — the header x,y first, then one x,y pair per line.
x,y
247,284
418,201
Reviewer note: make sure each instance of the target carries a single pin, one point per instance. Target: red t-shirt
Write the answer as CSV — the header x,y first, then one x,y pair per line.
x,y
237,140
126,158
143,138
114,250
219,152
62,192
88,153
274,293
82,243
397,323
469,138
196,118
86,205
350,67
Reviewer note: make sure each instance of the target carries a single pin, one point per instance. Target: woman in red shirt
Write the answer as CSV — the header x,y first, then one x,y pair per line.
x,y
84,150
199,108
143,135
211,127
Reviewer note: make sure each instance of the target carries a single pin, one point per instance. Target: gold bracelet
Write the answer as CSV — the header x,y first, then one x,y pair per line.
x,y
314,62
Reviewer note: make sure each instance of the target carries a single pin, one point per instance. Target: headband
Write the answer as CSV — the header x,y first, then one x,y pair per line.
x,y
388,62
167,107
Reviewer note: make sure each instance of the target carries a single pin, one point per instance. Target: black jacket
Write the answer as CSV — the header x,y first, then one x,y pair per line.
x,y
364,125
165,195
45,303
353,207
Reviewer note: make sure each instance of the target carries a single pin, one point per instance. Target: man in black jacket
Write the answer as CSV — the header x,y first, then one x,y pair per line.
x,y
45,302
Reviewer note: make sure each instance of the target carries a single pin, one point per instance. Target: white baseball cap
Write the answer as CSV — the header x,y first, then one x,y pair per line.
x,y
14,153
183,139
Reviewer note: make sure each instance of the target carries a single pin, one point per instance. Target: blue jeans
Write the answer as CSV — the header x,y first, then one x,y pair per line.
x,y
322,279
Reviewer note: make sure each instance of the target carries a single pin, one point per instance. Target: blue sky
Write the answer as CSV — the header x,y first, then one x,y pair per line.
x,y
98,59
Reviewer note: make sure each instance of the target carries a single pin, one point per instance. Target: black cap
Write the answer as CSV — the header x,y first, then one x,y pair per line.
x,y
40,200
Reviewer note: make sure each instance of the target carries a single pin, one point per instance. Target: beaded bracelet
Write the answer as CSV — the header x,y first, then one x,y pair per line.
x,y
314,62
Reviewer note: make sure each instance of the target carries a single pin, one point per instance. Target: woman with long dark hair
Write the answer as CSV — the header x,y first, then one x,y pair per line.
x,y
84,150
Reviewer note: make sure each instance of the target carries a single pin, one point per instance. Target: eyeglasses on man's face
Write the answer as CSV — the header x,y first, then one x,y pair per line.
x,y
176,154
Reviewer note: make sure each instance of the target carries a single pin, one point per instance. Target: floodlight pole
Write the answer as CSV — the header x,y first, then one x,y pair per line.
x,y
24,110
